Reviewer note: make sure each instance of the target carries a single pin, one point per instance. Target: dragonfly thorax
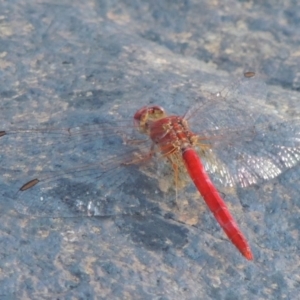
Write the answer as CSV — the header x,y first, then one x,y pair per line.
x,y
171,134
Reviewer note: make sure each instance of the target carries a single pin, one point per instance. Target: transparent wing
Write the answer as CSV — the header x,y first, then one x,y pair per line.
x,y
80,171
235,108
240,142
265,153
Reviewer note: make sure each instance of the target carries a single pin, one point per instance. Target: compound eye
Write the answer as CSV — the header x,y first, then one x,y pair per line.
x,y
157,110
140,113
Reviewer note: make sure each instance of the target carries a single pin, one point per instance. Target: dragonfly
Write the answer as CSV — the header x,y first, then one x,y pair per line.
x,y
222,140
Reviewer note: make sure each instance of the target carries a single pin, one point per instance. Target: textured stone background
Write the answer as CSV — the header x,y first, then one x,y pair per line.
x,y
67,63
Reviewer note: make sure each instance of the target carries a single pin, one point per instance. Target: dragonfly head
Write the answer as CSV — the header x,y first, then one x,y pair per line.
x,y
147,114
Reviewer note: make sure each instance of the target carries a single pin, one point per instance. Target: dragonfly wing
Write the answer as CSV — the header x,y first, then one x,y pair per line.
x,y
77,173
240,142
264,153
237,107
91,194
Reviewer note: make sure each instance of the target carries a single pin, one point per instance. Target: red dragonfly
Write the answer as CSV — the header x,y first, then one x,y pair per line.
x,y
171,134
242,138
